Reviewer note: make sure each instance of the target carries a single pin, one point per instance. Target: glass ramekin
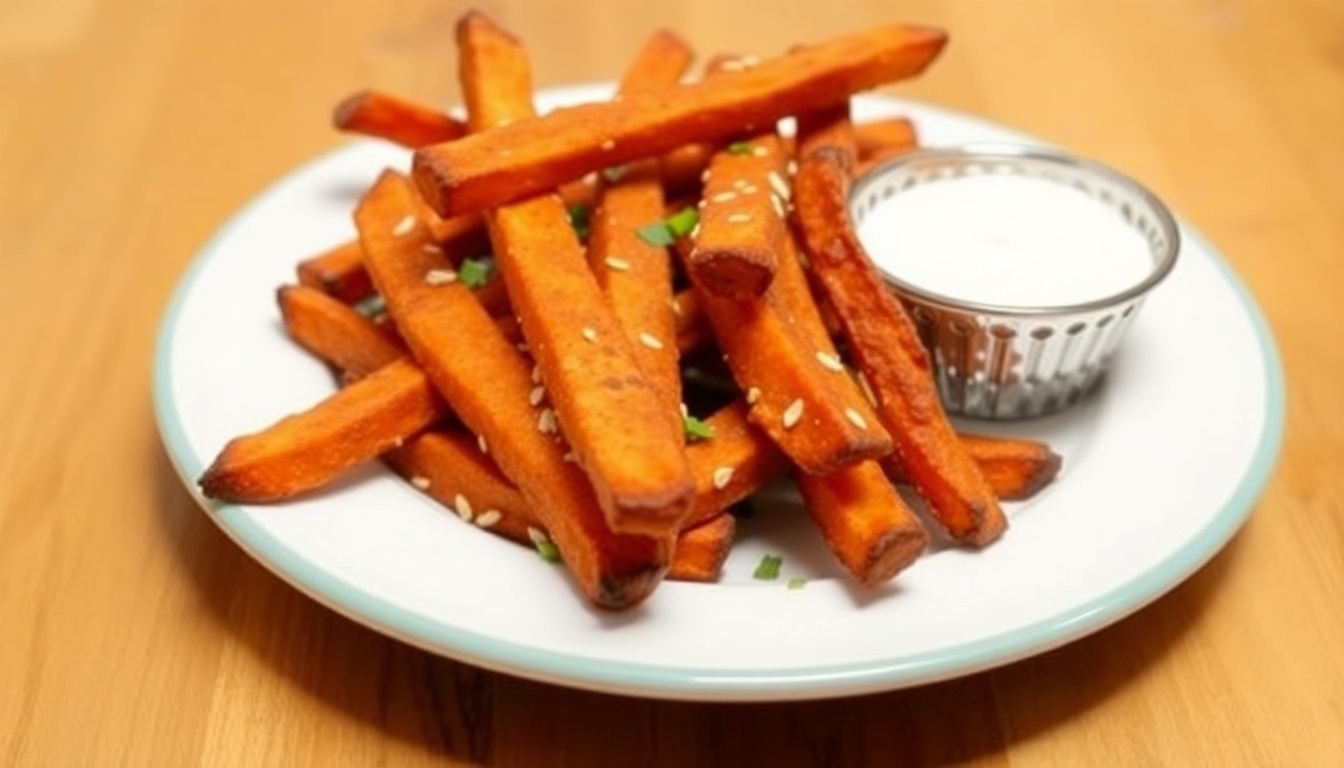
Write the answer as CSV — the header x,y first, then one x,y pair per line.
x,y
1015,362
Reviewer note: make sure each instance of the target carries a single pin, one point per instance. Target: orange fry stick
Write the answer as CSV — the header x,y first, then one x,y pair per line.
x,y
488,382
742,211
1015,468
305,450
333,331
635,275
888,350
528,157
886,134
865,523
589,371
733,464
702,550
338,271
397,119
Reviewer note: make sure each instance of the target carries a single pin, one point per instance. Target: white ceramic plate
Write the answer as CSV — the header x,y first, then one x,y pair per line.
x,y
1162,466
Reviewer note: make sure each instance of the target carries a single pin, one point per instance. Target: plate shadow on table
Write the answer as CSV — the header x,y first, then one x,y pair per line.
x,y
444,707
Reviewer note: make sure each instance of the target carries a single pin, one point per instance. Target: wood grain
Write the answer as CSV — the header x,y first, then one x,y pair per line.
x,y
132,632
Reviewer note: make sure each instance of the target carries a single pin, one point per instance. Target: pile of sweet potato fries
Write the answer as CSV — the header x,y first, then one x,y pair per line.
x,y
541,392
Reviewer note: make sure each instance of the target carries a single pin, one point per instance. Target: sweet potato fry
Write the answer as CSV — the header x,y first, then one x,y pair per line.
x,y
884,135
733,464
635,275
742,211
307,449
890,355
590,374
864,521
1015,468
397,119
331,330
702,549
338,271
488,382
527,157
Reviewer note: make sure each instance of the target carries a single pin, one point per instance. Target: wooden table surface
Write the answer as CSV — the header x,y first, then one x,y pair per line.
x,y
132,632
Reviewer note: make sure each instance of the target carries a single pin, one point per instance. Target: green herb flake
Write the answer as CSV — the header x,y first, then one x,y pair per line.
x,y
546,548
614,173
580,217
796,583
740,148
656,234
696,429
474,272
768,568
372,306
682,222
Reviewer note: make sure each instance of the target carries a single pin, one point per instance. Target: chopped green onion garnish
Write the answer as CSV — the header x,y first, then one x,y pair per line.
x,y
682,222
579,217
371,306
614,173
768,569
547,550
656,234
696,429
474,272
740,148
797,583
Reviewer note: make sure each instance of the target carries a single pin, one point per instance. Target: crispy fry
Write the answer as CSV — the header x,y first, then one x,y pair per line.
x,y
397,119
452,468
865,523
742,211
528,157
634,275
1015,468
733,464
487,381
888,350
702,550
591,377
884,135
305,450
332,331
799,395
338,271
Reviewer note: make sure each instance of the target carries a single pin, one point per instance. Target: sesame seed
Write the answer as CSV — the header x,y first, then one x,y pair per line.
x,y
608,145
685,411
855,418
488,518
537,535
480,443
830,362
792,168
405,226
546,421
650,341
779,205
704,176
749,189
589,179
431,248
793,414
722,476
463,507
420,482
589,334
535,396
866,389
570,457
695,231
753,394
733,65
675,305
722,197
739,218
760,151
440,276
620,265
536,374
779,185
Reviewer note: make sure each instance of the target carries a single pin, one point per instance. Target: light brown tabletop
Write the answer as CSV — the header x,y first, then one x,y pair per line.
x,y
133,632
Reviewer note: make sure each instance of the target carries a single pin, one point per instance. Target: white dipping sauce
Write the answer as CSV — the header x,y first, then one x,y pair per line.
x,y
1005,239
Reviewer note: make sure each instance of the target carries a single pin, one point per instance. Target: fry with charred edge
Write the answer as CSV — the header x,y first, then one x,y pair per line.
x,y
305,450
397,119
635,275
799,396
454,468
742,209
488,382
889,353
865,523
1015,468
641,477
527,157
